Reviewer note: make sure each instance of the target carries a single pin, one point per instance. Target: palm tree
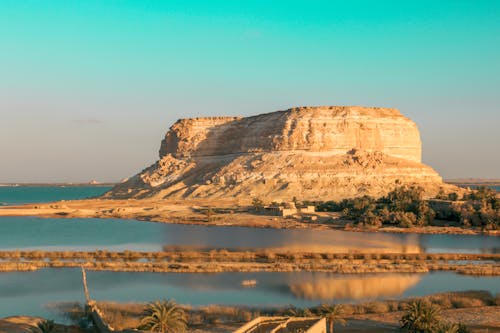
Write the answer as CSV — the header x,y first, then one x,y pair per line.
x,y
299,312
462,328
164,316
46,326
334,314
445,327
421,317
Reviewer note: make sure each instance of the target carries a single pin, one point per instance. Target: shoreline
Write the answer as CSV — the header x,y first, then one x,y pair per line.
x,y
464,182
191,212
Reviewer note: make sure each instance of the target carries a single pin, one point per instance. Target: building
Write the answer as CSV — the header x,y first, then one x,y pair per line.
x,y
289,209
284,325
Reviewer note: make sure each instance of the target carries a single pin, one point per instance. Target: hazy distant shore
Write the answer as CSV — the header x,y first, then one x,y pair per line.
x,y
464,182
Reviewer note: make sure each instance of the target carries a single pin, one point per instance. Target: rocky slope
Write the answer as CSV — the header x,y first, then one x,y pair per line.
x,y
306,152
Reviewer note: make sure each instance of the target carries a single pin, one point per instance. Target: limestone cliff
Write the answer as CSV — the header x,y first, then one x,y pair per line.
x,y
306,152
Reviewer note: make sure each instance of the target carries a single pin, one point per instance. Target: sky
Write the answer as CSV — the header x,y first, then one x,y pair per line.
x,y
89,88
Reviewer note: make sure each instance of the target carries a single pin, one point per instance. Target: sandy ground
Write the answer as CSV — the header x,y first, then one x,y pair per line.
x,y
25,324
478,319
170,211
194,212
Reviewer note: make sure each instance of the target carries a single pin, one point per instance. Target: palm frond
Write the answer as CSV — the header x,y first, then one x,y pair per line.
x,y
164,316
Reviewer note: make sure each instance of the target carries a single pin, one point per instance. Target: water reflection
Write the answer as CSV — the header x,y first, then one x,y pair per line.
x,y
282,240
338,287
307,286
80,234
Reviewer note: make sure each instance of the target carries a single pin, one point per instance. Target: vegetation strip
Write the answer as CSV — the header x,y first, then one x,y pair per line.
x,y
247,261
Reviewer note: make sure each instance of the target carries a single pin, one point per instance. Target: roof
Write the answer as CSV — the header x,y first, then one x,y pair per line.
x,y
284,325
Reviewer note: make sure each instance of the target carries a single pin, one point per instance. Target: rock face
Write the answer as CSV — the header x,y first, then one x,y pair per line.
x,y
313,153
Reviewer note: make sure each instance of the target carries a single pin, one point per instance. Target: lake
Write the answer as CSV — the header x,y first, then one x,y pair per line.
x,y
117,234
496,188
33,293
16,195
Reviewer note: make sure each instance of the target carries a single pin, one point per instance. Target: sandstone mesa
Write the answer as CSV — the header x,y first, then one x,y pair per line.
x,y
311,153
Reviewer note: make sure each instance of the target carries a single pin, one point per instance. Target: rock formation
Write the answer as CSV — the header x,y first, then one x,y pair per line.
x,y
313,153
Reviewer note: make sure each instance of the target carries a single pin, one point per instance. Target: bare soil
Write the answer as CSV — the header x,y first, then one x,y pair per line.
x,y
478,319
26,324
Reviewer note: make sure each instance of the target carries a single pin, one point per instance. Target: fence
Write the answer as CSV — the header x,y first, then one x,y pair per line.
x,y
96,314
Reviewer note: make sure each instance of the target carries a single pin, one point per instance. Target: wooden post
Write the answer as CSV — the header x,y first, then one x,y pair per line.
x,y
85,289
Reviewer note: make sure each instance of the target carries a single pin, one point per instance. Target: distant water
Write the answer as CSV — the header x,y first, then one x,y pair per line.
x,y
16,195
33,293
496,188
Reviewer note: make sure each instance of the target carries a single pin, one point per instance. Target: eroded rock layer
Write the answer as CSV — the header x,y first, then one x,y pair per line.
x,y
308,152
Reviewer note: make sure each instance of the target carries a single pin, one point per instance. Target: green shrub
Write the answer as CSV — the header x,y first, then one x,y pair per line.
x,y
164,316
47,326
421,316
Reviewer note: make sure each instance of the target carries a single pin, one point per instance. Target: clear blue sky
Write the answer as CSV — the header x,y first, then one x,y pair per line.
x,y
88,88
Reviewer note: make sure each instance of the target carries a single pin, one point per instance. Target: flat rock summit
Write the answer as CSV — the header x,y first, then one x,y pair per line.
x,y
311,153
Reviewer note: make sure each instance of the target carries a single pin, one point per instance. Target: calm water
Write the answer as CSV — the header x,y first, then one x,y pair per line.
x,y
10,195
35,293
117,234
496,188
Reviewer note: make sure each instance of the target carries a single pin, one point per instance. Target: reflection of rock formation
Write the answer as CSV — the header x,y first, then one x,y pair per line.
x,y
183,237
353,287
306,152
346,242
355,248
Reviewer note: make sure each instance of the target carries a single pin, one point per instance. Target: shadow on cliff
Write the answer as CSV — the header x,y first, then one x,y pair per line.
x,y
222,145
241,136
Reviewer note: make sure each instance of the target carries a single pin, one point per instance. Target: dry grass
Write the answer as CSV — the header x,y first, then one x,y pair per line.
x,y
121,316
183,254
127,315
250,261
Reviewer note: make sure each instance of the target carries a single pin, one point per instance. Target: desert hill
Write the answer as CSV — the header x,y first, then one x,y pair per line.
x,y
311,153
